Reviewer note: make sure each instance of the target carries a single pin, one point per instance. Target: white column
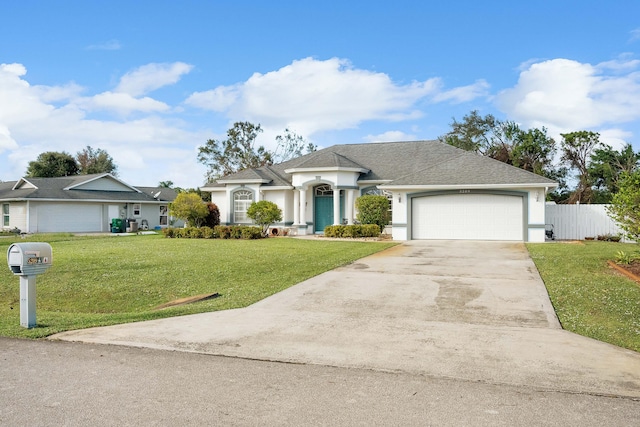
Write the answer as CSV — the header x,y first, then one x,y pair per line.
x,y
296,207
336,207
349,207
303,207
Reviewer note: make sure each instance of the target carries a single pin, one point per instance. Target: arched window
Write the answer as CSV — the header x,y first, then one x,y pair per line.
x,y
323,190
242,199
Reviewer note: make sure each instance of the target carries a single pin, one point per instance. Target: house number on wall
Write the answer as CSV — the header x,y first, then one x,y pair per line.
x,y
465,191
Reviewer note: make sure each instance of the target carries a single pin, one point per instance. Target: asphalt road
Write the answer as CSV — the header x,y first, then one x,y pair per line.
x,y
49,383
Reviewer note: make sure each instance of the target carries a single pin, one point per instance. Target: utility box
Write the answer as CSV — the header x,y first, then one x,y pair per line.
x,y
27,259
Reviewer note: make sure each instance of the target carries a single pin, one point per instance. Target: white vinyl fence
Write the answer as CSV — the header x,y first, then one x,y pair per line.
x,y
575,222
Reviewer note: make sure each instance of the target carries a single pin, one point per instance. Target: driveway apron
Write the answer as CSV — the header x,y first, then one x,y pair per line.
x,y
475,311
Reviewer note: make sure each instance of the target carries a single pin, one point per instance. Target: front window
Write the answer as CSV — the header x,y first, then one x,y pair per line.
x,y
241,201
5,214
137,209
163,215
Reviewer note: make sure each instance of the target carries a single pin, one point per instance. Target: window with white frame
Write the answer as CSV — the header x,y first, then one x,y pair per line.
x,y
242,199
137,209
5,214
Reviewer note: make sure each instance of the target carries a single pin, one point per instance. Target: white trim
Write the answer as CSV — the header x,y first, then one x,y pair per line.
x,y
462,186
18,183
244,181
326,169
104,175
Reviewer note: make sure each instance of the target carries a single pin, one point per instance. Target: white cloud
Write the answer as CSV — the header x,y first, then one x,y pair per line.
x,y
34,119
6,141
565,95
464,93
122,103
390,136
311,95
635,35
150,77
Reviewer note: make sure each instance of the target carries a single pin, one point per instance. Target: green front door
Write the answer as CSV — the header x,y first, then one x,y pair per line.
x,y
323,213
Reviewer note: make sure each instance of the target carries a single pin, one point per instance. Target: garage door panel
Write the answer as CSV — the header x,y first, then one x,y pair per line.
x,y
467,217
69,217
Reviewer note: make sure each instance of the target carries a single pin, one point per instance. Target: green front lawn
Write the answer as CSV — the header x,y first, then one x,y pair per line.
x,y
105,280
589,297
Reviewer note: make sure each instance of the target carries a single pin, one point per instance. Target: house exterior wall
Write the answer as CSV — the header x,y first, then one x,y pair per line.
x,y
105,185
17,215
335,178
284,200
221,200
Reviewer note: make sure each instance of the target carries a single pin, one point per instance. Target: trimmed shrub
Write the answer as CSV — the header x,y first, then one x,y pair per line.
x,y
218,232
373,210
208,233
352,231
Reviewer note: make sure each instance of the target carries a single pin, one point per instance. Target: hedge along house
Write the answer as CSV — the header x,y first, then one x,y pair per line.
x,y
436,191
80,203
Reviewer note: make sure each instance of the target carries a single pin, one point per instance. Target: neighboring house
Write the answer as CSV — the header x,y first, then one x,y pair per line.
x,y
80,203
436,191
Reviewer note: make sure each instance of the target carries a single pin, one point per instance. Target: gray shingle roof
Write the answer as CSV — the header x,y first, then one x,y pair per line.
x,y
409,163
54,189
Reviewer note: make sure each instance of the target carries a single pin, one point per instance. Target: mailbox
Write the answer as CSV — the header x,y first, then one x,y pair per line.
x,y
29,259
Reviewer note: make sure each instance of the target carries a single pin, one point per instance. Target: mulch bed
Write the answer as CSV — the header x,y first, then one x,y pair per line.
x,y
630,270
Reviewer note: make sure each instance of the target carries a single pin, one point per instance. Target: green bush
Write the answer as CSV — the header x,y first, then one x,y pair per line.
x,y
373,209
237,232
264,213
208,233
218,232
352,231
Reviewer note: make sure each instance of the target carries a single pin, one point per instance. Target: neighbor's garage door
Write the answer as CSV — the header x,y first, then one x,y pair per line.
x,y
69,217
467,217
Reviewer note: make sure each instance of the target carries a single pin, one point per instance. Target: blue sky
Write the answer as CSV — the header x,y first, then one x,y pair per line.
x,y
150,81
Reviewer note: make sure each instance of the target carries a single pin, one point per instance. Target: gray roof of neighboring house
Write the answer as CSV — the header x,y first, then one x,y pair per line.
x,y
405,163
54,189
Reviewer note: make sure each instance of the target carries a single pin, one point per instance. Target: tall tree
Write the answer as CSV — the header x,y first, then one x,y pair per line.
x,y
235,153
52,164
577,148
291,145
474,133
532,150
95,161
625,203
607,166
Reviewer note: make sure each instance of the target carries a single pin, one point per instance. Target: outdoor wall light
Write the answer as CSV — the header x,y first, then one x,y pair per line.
x,y
399,199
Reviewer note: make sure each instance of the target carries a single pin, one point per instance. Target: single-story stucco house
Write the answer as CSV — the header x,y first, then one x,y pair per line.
x,y
81,203
436,191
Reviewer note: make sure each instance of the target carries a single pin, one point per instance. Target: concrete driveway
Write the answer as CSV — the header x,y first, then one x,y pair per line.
x,y
475,311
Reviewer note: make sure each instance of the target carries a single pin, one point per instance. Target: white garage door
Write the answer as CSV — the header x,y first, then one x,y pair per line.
x,y
69,217
467,217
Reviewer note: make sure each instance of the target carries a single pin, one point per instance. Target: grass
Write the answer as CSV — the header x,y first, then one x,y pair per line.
x,y
105,280
589,297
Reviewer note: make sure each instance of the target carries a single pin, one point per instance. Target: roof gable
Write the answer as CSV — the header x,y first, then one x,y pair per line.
x,y
101,182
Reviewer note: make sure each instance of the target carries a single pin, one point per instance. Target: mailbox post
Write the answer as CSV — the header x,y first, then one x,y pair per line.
x,y
28,260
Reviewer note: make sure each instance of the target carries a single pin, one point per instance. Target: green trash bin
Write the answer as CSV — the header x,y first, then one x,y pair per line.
x,y
117,225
